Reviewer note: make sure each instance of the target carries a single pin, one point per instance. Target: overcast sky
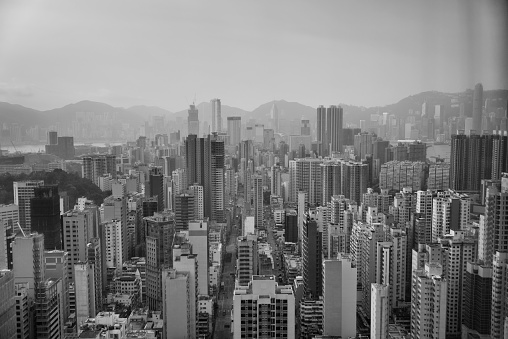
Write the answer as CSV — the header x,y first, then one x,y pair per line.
x,y
163,53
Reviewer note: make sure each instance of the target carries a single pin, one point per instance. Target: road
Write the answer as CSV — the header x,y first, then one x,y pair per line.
x,y
225,298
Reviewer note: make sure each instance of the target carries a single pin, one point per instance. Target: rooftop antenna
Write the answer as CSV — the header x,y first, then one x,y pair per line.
x,y
24,235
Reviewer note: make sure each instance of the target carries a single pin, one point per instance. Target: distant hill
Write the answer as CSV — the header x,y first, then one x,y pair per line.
x,y
288,111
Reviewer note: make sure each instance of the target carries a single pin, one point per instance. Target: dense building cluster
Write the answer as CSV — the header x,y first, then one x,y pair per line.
x,y
247,232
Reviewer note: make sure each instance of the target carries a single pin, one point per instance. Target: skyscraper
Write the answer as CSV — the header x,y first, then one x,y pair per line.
x,y
274,118
216,116
217,179
198,237
311,255
184,210
156,186
7,305
478,108
45,215
193,120
379,311
334,126
198,167
257,185
235,130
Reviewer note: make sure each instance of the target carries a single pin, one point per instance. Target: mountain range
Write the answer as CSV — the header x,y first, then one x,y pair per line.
x,y
28,117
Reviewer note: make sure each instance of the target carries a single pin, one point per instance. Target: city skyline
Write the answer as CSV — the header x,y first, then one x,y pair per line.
x,y
170,53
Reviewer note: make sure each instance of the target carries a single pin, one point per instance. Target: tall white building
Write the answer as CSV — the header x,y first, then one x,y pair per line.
x,y
28,261
112,235
379,311
428,302
23,192
235,130
187,263
197,191
257,186
247,259
198,237
84,286
77,228
179,178
339,296
216,116
264,309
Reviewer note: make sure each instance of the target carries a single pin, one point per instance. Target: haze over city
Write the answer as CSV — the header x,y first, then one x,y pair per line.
x,y
168,53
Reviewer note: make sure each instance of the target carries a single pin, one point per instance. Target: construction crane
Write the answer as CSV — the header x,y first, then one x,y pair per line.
x,y
24,235
17,152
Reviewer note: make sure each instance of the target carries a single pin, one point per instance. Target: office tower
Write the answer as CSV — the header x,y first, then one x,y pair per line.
x,y
339,295
267,304
95,166
311,256
216,116
235,130
198,237
379,311
156,186
305,176
26,250
477,299
23,192
84,285
193,121
113,239
354,180
76,227
331,180
499,308
22,311
274,118
184,210
305,127
291,226
395,175
94,258
450,211
197,192
160,230
47,309
175,292
198,167
428,302
52,138
217,180
188,263
493,235
247,260
257,185
7,305
478,108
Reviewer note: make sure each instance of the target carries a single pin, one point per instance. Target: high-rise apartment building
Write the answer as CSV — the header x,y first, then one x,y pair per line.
x,y
271,307
235,130
450,211
115,208
477,300
160,230
193,120
188,263
23,192
329,129
305,176
424,205
379,311
257,186
47,309
28,261
197,192
428,302
84,286
95,166
57,266
76,227
499,308
113,239
22,311
339,295
247,259
395,175
493,235
331,180
94,258
198,238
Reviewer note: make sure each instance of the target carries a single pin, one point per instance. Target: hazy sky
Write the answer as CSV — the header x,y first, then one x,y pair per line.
x,y
163,53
